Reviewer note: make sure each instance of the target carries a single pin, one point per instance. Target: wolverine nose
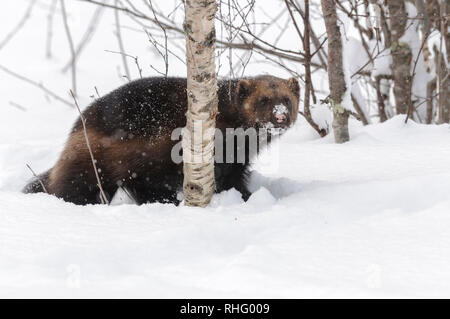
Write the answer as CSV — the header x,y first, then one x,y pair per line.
x,y
279,111
281,118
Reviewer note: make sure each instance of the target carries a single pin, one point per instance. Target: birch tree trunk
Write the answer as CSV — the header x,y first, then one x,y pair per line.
x,y
336,76
401,56
198,135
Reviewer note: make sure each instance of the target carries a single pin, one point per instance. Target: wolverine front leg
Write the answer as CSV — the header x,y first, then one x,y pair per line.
x,y
232,176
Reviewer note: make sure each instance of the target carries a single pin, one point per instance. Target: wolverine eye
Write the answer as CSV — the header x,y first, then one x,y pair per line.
x,y
287,102
264,101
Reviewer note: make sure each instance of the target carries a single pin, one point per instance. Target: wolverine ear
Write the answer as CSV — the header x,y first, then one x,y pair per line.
x,y
294,86
244,89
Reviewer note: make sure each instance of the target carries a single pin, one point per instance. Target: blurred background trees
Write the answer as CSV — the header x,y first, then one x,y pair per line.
x,y
395,54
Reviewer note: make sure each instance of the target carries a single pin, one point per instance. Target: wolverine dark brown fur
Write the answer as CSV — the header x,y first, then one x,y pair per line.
x,y
130,131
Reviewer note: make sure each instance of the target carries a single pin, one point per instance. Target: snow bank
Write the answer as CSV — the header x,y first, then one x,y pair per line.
x,y
365,219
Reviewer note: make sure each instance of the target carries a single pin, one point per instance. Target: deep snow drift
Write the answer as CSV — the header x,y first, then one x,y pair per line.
x,y
369,218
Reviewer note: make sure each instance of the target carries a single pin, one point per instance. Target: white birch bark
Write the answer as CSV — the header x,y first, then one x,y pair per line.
x,y
336,76
198,135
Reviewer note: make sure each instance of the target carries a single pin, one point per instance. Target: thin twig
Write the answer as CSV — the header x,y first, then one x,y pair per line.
x,y
309,89
165,56
36,84
120,42
71,46
87,36
135,58
51,14
246,45
37,177
19,26
319,51
96,91
230,51
103,197
17,106
410,106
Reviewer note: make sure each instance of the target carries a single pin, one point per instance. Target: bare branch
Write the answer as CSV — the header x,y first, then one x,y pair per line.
x,y
87,36
135,58
19,26
103,197
71,46
51,14
18,106
411,106
120,42
165,56
36,84
37,177
309,89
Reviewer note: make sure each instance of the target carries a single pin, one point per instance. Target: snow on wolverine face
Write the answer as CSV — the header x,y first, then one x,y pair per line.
x,y
269,102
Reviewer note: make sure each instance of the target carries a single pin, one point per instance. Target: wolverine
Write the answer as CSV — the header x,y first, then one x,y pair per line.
x,y
130,129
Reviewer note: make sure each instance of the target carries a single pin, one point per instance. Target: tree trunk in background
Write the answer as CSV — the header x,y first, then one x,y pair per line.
x,y
446,82
431,87
336,77
442,70
380,100
447,34
444,91
308,81
198,136
401,56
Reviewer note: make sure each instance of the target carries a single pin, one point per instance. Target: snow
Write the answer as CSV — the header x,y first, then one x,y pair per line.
x,y
368,218
322,116
365,219
382,64
357,94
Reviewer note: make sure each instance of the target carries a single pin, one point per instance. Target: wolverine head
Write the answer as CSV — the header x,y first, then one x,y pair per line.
x,y
268,101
